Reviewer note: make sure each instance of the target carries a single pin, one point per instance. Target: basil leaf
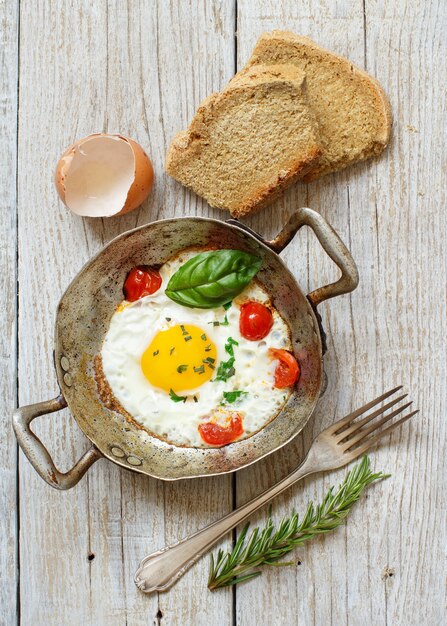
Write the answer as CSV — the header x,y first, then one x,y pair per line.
x,y
212,279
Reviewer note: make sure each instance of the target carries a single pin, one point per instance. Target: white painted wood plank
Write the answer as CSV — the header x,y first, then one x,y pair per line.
x,y
195,56
8,448
296,593
407,48
152,52
390,330
114,68
62,79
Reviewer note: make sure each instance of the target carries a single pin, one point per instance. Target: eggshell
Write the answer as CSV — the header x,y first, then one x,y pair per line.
x,y
143,181
103,175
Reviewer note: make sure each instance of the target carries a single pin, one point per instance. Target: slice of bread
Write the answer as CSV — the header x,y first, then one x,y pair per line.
x,y
249,142
352,110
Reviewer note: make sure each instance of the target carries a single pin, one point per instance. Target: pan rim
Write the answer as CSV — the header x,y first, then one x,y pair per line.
x,y
242,229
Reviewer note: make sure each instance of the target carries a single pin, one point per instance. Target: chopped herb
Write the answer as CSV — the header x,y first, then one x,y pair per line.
x,y
188,338
224,323
226,369
171,351
229,345
209,360
232,396
182,368
227,305
168,319
155,353
208,348
200,369
203,337
183,329
195,399
175,398
231,372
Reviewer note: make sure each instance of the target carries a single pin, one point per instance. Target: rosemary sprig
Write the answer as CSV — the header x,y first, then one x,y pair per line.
x,y
269,545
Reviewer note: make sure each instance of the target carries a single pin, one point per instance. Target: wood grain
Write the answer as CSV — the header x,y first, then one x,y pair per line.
x,y
142,68
62,80
108,67
377,335
8,291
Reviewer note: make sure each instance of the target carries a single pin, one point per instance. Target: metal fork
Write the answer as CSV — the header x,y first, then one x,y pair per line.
x,y
334,447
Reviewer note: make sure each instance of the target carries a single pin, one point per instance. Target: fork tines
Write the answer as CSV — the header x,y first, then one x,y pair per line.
x,y
352,435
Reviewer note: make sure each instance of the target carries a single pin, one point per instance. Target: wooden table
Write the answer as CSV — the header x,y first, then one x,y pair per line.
x,y
141,68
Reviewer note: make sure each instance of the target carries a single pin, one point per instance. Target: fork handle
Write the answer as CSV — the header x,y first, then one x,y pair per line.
x,y
161,569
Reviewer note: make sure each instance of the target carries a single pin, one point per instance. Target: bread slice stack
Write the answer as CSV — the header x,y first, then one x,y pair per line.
x,y
295,112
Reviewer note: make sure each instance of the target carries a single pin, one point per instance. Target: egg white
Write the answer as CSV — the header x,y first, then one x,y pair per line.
x,y
134,325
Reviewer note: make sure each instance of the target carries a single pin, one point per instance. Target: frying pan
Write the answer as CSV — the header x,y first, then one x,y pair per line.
x,y
83,317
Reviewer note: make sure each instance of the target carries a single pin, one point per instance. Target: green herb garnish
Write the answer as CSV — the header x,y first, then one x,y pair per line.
x,y
226,369
213,278
208,348
155,353
182,368
224,323
183,329
171,351
175,398
232,396
200,369
268,545
227,305
187,338
229,345
203,337
168,319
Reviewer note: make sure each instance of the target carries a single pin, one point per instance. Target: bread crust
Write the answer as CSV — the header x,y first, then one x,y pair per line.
x,y
346,108
189,144
302,47
267,194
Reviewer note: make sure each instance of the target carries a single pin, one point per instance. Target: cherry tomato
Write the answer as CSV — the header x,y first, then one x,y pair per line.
x,y
141,281
255,321
217,435
287,371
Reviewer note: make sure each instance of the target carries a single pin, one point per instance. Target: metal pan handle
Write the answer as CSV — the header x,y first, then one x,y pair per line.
x,y
38,455
332,245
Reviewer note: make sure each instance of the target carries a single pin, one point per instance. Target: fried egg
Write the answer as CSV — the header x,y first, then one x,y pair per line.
x,y
163,363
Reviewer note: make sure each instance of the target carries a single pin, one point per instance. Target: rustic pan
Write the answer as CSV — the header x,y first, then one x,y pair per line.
x,y
83,317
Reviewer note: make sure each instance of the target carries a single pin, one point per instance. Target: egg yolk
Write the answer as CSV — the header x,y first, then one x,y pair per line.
x,y
179,358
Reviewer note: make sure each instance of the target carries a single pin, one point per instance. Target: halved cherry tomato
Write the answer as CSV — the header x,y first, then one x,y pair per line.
x,y
217,435
287,371
255,321
141,281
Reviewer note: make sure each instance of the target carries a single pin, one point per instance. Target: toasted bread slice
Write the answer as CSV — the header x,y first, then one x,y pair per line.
x,y
352,110
249,142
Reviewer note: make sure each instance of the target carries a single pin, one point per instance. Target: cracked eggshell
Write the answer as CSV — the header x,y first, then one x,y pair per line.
x,y
103,175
